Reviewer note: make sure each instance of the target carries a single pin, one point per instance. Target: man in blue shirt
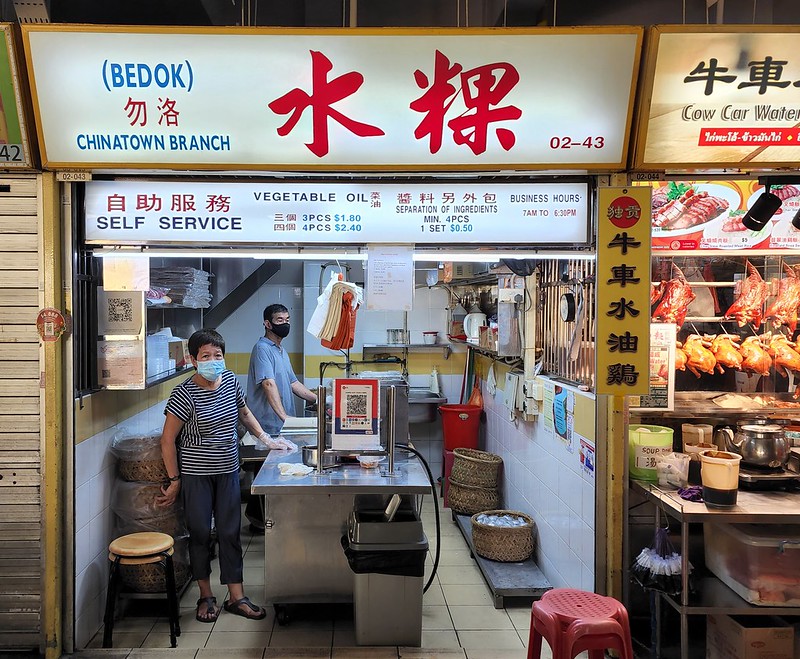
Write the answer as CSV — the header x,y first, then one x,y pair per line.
x,y
272,385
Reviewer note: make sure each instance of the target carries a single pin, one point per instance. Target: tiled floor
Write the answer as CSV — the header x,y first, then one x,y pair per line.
x,y
458,618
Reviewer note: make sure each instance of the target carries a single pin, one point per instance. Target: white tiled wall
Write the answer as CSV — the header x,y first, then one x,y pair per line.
x,y
245,326
94,521
543,479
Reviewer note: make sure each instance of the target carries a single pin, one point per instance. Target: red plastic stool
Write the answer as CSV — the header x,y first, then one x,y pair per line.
x,y
572,621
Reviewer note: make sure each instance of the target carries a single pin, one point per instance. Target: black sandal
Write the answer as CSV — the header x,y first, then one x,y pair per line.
x,y
235,608
212,612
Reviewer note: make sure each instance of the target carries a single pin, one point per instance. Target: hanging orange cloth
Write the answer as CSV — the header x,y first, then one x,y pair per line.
x,y
344,336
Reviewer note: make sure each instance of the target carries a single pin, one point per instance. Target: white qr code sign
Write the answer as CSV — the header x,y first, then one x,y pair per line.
x,y
355,414
119,312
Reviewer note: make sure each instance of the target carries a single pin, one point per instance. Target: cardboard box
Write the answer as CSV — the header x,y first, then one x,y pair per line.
x,y
179,351
748,637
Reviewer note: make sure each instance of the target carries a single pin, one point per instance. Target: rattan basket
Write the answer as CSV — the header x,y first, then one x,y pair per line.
x,y
149,578
502,543
474,467
145,471
468,499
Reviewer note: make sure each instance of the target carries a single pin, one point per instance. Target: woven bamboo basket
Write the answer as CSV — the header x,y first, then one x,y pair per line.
x,y
474,467
145,471
149,578
502,543
468,499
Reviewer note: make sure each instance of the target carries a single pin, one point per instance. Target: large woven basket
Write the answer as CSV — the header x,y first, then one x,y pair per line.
x,y
468,499
474,467
147,471
501,543
149,578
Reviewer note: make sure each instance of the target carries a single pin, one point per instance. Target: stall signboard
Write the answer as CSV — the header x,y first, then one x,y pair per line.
x,y
293,99
153,212
720,97
14,145
707,215
623,291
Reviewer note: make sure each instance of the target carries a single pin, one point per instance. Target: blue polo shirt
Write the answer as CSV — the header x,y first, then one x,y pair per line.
x,y
269,361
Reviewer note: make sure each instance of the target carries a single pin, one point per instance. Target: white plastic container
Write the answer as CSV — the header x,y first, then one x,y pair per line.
x,y
760,562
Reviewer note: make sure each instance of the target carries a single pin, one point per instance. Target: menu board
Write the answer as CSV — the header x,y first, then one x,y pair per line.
x,y
691,215
155,212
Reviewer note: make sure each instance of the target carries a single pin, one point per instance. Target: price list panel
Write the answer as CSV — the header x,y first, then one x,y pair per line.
x,y
143,212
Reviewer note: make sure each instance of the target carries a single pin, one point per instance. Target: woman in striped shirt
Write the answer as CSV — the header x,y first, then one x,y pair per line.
x,y
200,447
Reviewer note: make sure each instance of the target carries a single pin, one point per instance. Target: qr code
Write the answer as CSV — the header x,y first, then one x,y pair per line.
x,y
356,405
120,310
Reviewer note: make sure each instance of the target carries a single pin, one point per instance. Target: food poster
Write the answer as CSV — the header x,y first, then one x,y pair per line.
x,y
662,370
691,215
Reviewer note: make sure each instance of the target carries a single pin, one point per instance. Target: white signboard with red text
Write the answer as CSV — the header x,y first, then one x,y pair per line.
x,y
721,96
156,212
233,98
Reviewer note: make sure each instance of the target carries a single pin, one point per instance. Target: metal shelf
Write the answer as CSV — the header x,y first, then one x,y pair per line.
x,y
388,347
714,597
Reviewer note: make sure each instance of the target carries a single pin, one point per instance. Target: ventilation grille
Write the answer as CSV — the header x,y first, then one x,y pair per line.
x,y
554,335
31,11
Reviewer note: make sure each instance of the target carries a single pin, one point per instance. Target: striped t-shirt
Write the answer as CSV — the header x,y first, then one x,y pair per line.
x,y
208,442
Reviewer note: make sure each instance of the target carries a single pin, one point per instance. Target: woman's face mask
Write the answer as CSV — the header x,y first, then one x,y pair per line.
x,y
211,370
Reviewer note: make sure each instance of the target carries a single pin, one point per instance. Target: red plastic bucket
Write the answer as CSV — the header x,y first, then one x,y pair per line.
x,y
460,425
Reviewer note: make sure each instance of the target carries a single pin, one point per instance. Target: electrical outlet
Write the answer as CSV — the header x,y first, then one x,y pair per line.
x,y
534,389
509,295
530,407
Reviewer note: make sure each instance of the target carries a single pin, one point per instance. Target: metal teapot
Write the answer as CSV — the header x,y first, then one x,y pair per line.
x,y
760,445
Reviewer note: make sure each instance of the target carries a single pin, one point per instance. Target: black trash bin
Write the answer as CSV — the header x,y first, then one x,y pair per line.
x,y
388,559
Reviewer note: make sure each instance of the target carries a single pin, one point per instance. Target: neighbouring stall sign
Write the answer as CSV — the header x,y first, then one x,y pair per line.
x,y
707,215
721,97
623,291
14,148
141,212
225,98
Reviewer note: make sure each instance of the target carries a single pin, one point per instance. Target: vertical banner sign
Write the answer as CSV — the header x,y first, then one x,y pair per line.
x,y
623,297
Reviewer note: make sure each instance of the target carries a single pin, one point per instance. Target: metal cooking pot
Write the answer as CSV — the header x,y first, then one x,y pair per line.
x,y
310,457
760,445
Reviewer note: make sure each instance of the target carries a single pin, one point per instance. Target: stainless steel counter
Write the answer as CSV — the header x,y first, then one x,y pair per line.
x,y
752,506
306,518
409,478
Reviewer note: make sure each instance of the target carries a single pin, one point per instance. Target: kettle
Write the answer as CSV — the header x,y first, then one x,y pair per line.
x,y
472,324
760,445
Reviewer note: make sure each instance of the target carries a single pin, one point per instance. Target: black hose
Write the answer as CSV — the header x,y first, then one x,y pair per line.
x,y
435,509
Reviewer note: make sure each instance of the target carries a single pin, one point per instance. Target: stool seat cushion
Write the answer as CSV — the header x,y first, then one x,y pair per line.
x,y
141,544
140,560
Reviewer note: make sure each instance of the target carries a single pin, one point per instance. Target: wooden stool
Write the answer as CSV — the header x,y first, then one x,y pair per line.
x,y
576,620
141,549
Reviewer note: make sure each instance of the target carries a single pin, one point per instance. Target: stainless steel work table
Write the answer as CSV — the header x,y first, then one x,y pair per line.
x,y
713,596
306,517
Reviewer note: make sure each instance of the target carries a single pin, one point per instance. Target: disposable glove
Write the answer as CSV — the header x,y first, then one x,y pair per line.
x,y
276,443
